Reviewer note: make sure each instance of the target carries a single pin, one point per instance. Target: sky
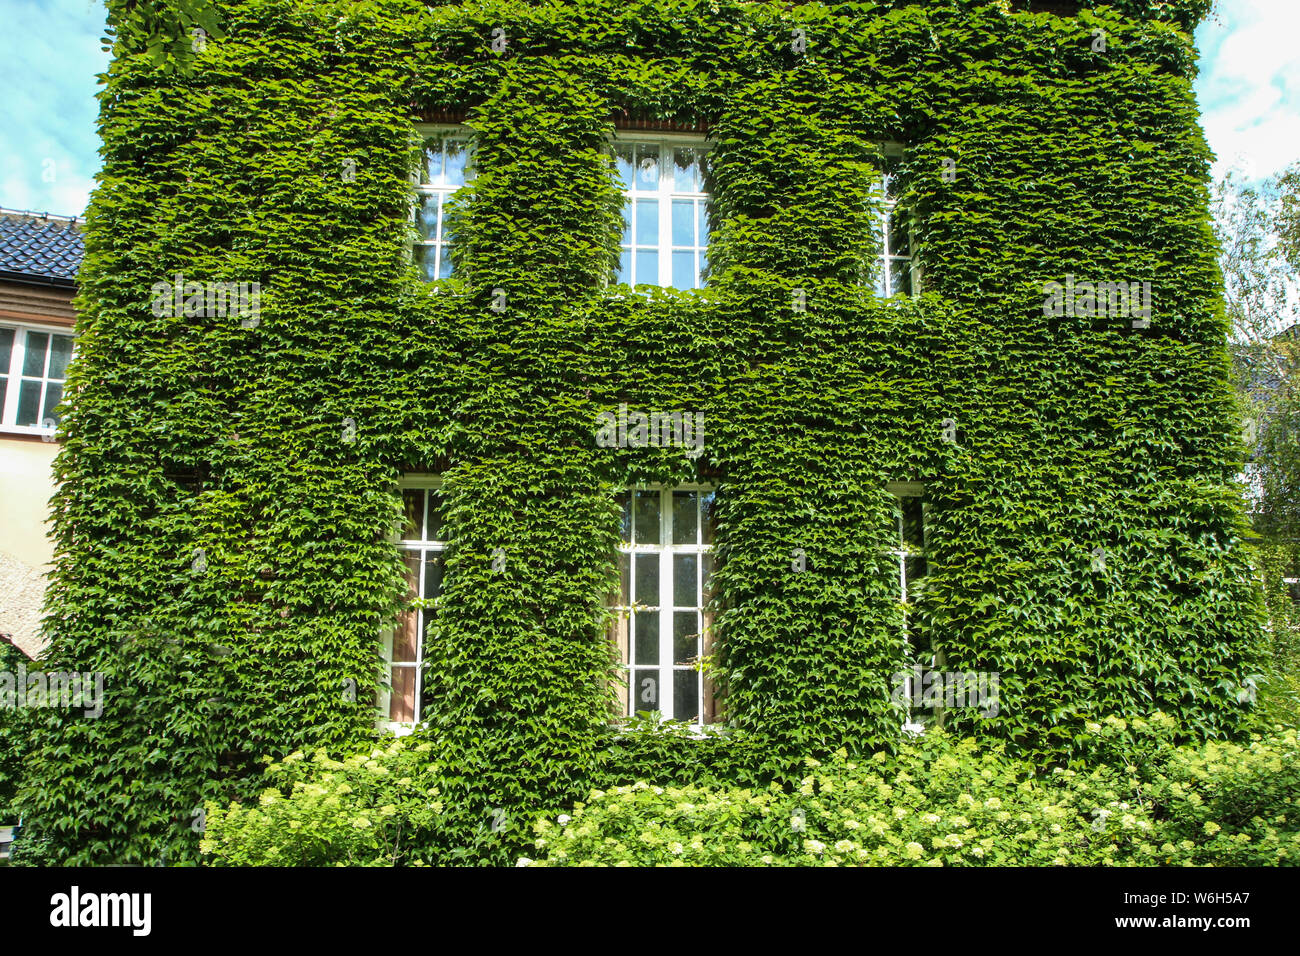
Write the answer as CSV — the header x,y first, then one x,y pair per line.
x,y
1248,90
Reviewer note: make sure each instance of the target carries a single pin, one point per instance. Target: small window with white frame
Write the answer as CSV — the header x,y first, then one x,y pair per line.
x,y
897,270
662,624
33,372
665,211
445,166
909,553
422,546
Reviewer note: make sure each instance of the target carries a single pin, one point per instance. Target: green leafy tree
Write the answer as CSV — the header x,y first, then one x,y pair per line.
x,y
1259,232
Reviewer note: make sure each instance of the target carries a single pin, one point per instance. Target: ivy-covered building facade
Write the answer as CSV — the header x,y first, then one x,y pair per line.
x,y
806,374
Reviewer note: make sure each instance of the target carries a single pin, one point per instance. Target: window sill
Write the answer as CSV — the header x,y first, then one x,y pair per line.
x,y
28,431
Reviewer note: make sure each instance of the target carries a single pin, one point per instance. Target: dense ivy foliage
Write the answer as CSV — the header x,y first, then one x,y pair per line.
x,y
15,736
228,489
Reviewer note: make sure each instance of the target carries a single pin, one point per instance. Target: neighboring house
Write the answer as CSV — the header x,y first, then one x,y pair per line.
x,y
39,257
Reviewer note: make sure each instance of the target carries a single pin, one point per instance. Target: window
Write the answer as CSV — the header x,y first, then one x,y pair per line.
x,y
909,552
422,550
444,168
896,271
666,229
33,367
662,628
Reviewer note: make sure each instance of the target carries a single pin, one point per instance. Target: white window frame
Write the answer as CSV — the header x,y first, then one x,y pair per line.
x,y
439,244
885,260
901,490
422,546
665,194
626,622
15,377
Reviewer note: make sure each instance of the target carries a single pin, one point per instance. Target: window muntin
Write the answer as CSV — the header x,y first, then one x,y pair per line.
x,y
665,212
33,372
662,628
422,546
445,166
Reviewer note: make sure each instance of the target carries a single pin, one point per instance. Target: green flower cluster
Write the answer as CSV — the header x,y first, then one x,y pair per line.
x,y
372,809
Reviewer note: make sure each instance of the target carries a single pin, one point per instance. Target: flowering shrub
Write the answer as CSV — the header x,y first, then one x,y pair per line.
x,y
1228,804
938,803
373,809
946,802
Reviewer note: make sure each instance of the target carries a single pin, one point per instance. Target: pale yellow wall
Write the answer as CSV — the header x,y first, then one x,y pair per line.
x,y
26,484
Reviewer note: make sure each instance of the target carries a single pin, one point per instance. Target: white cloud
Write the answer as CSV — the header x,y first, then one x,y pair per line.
x,y
1249,87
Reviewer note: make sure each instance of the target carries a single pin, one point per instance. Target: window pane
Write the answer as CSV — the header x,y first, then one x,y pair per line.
x,y
701,224
621,641
29,403
623,160
625,519
686,695
53,395
647,167
647,579
916,568
683,222
912,508
4,392
684,271
645,686
437,503
624,267
647,222
624,579
626,238
402,707
411,574
426,217
34,360
647,517
686,636
412,513
405,637
6,350
704,267
426,260
444,263
687,174
647,637
685,570
900,277
708,509
454,170
431,175
899,244
685,519
892,185
432,575
647,268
